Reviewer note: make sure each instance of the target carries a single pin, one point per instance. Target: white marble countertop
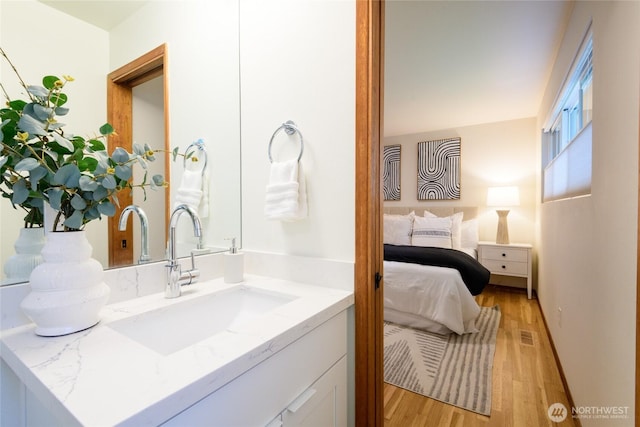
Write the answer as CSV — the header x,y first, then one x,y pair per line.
x,y
101,377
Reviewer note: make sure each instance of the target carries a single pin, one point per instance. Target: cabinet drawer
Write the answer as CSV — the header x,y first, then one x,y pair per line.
x,y
509,254
506,267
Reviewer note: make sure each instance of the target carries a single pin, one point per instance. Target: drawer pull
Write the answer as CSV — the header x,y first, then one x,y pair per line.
x,y
503,254
504,266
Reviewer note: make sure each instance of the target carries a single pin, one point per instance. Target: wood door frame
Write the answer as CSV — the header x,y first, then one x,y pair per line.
x,y
368,200
637,385
120,84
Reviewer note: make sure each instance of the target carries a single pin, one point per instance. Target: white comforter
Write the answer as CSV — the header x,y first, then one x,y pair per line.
x,y
430,298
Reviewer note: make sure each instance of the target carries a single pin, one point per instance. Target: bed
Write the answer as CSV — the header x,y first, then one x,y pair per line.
x,y
438,297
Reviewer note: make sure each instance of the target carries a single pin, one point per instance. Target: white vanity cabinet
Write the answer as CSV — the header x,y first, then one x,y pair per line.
x,y
303,384
288,366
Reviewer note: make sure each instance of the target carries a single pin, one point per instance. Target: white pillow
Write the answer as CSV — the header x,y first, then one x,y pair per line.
x,y
435,232
397,229
470,235
456,228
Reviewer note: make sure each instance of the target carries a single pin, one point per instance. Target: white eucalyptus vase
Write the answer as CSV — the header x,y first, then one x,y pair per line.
x,y
67,289
28,246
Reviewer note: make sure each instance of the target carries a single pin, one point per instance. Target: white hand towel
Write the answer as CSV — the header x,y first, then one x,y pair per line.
x,y
286,198
190,190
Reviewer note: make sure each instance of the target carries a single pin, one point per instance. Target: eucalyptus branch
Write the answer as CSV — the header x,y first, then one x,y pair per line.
x,y
15,70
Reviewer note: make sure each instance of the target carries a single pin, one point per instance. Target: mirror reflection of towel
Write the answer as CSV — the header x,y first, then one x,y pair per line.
x,y
286,196
192,192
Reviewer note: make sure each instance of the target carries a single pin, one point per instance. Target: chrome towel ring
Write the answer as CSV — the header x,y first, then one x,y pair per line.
x,y
199,146
290,128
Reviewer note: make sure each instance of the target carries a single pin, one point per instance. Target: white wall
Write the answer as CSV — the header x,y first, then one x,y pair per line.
x,y
37,50
298,63
587,246
501,153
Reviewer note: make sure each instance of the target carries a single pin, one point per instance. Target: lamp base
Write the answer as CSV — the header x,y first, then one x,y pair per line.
x,y
502,237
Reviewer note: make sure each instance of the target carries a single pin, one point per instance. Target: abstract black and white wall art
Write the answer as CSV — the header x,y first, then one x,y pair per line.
x,y
391,172
439,169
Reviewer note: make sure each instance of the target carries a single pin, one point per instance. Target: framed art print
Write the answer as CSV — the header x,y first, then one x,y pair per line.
x,y
439,169
391,172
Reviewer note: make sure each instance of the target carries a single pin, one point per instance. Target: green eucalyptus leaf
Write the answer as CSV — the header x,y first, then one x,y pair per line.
x,y
87,183
68,175
120,155
58,99
77,202
106,129
20,192
87,164
78,143
158,180
42,112
109,182
100,193
96,145
35,175
55,198
37,203
123,172
63,142
75,220
38,91
92,213
17,105
61,111
174,153
107,208
31,125
49,82
26,164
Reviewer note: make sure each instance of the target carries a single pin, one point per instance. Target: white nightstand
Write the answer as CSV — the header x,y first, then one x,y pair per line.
x,y
513,259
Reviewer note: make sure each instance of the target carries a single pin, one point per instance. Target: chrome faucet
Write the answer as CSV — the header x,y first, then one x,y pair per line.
x,y
144,230
176,278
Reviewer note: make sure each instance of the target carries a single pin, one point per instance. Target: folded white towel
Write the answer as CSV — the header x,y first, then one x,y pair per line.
x,y
192,192
286,198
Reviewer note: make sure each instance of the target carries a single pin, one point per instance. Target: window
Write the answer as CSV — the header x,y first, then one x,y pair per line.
x,y
566,142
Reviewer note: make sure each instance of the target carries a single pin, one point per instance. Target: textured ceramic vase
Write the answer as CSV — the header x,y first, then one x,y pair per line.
x,y
67,289
19,266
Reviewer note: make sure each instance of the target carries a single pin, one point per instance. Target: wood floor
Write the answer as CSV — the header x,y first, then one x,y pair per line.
x,y
526,379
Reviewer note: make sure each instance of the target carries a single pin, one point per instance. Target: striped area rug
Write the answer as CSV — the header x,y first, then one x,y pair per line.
x,y
454,369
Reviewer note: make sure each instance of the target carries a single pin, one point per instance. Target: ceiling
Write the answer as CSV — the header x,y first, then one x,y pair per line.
x,y
105,14
458,63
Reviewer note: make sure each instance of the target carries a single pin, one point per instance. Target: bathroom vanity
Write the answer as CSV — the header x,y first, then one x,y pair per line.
x,y
264,352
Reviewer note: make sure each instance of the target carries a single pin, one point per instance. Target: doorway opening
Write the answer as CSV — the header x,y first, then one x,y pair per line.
x,y
121,83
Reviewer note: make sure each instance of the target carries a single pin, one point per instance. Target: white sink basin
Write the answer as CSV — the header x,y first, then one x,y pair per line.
x,y
184,323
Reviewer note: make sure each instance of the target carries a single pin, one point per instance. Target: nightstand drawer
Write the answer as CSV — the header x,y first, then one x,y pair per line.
x,y
508,254
506,267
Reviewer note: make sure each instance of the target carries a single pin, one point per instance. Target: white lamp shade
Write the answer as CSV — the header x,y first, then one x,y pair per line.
x,y
503,197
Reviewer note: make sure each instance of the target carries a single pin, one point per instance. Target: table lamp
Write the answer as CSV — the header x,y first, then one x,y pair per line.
x,y
503,198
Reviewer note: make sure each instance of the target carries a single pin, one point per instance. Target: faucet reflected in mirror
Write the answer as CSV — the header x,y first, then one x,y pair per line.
x,y
144,230
176,278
